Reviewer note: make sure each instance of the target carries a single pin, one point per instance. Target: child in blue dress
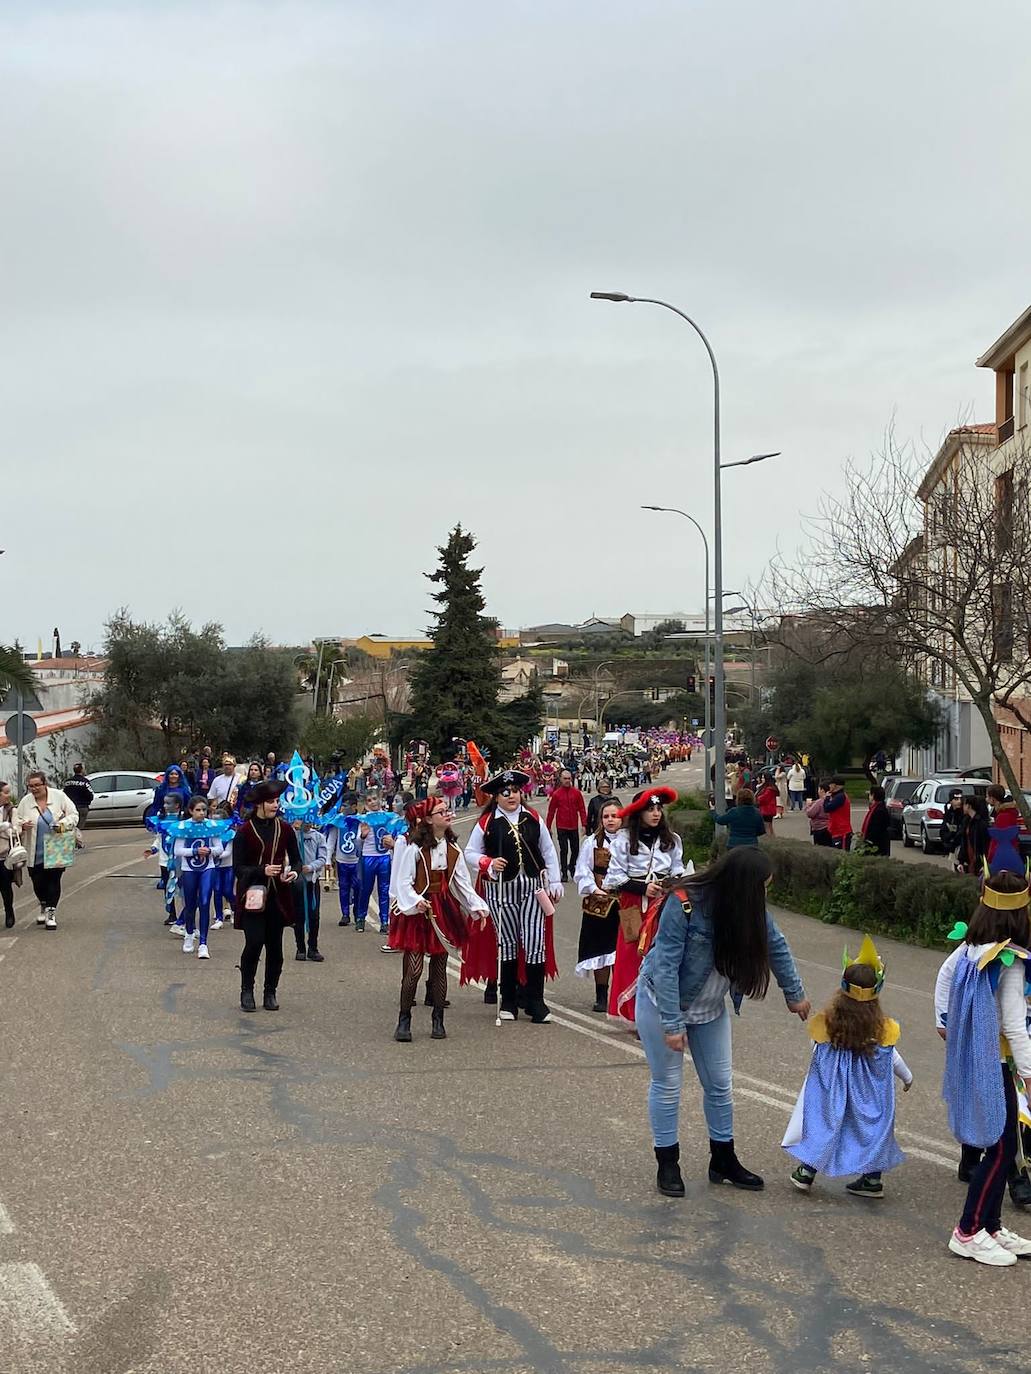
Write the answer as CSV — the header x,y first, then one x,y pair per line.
x,y
844,1120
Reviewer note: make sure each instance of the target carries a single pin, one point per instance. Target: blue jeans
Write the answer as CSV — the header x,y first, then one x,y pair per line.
x,y
797,801
710,1046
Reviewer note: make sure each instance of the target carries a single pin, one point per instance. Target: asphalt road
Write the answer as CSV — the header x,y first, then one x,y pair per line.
x,y
186,1188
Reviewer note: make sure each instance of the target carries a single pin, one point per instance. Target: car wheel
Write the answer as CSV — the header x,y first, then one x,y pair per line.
x,y
927,845
907,842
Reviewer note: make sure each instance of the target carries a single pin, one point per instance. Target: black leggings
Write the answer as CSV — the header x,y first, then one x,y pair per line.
x,y
46,884
7,892
988,1184
436,982
262,930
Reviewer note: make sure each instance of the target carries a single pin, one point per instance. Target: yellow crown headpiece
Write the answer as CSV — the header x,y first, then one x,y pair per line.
x,y
1005,901
867,955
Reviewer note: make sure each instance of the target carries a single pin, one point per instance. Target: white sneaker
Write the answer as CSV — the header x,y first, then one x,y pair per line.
x,y
982,1248
189,943
202,952
1015,1245
177,929
50,921
41,919
217,923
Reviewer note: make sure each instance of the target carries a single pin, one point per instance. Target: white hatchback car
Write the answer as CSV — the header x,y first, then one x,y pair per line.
x,y
121,796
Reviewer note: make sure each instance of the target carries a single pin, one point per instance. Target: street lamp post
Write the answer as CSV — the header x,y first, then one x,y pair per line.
x,y
717,466
597,670
675,510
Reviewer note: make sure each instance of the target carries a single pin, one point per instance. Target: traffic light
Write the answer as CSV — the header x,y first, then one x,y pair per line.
x,y
712,688
692,686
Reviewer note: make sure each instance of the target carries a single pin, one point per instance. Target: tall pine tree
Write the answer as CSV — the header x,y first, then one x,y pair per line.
x,y
456,684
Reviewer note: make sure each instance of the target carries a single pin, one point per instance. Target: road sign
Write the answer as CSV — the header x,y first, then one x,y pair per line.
x,y
20,728
772,744
695,723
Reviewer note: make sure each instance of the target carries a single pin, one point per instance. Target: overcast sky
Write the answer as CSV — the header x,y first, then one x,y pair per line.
x,y
289,289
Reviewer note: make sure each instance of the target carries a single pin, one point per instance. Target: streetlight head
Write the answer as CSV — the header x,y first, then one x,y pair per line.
x,y
655,508
609,296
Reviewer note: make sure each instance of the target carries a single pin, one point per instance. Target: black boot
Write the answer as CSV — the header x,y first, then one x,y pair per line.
x,y
509,987
669,1180
725,1167
540,1012
313,939
437,1019
403,1034
601,997
490,993
270,1003
247,997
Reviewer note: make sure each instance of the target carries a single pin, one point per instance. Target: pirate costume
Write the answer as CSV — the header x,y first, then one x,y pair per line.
x,y
599,926
261,842
435,874
628,875
517,897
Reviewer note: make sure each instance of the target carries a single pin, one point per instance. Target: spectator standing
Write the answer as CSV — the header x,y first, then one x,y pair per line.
x,y
598,803
566,808
767,799
743,821
953,823
223,785
974,849
41,812
838,809
796,787
8,839
780,781
819,825
79,792
876,823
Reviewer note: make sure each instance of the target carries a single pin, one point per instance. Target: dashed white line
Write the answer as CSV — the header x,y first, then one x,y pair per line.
x,y
29,1307
6,1224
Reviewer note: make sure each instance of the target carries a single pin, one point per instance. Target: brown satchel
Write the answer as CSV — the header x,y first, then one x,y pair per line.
x,y
600,904
631,919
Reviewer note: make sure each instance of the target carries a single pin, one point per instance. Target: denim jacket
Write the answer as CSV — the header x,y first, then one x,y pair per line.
x,y
681,959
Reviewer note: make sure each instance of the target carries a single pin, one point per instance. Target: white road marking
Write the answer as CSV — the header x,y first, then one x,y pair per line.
x,y
6,1224
29,1306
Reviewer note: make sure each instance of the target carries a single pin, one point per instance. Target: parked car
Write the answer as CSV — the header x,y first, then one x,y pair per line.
x,y
897,791
923,814
121,797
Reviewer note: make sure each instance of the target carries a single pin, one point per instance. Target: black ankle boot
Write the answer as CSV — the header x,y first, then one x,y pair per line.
x,y
270,1003
438,1032
725,1167
669,1180
509,990
490,994
403,1034
247,998
601,997
539,1011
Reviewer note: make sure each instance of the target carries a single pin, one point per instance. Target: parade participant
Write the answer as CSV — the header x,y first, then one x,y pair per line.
x,y
255,774
435,902
198,857
844,1119
342,850
566,809
173,781
222,891
42,812
513,854
743,820
599,925
376,842
644,854
205,775
983,986
164,847
734,947
266,860
312,846
603,797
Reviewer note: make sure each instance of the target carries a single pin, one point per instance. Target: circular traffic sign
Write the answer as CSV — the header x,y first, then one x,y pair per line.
x,y
772,743
20,728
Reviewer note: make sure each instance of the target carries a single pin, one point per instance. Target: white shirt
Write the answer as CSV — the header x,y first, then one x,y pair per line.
x,y
583,873
222,788
461,885
474,850
649,864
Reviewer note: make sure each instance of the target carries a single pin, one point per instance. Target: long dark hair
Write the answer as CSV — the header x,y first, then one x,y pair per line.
x,y
633,830
987,925
422,836
735,889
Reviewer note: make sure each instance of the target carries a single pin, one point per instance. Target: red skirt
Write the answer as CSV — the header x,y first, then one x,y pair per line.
x,y
480,955
623,982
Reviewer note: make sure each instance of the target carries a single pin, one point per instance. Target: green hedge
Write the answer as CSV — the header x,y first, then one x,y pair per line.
x,y
918,903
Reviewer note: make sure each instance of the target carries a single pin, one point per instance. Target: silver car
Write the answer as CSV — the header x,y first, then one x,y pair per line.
x,y
923,814
121,797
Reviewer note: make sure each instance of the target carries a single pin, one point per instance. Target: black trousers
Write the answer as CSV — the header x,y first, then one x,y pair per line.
x,y
568,849
46,884
262,930
988,1185
311,893
7,891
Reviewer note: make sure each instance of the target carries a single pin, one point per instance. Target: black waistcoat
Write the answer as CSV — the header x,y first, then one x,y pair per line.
x,y
525,857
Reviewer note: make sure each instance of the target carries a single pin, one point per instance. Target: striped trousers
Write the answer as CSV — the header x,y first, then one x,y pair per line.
x,y
518,918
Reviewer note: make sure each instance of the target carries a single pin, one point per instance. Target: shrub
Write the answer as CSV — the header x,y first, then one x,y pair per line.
x,y
697,830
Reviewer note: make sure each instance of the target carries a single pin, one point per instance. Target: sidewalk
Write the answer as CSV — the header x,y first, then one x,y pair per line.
x,y
794,826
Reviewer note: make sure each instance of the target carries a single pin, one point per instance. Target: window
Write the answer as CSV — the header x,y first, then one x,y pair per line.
x,y
102,783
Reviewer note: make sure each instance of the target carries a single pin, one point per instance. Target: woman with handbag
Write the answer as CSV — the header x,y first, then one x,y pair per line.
x,y
12,853
715,938
599,927
645,854
266,861
47,819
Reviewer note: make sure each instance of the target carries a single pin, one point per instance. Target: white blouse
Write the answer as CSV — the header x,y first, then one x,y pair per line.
x,y
583,873
408,898
649,863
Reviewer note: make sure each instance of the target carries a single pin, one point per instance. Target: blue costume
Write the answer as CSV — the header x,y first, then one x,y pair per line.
x,y
199,872
348,862
181,789
161,826
376,865
844,1120
1006,856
